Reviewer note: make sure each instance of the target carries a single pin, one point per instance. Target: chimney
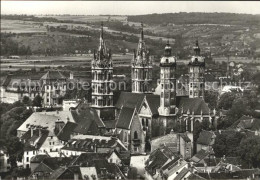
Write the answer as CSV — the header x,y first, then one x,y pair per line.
x,y
59,125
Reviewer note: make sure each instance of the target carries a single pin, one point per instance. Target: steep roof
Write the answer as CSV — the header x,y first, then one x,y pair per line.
x,y
246,122
46,119
158,158
206,137
154,103
38,158
125,118
129,99
56,162
200,156
66,131
57,173
87,119
86,143
170,140
53,75
43,168
35,141
185,137
196,105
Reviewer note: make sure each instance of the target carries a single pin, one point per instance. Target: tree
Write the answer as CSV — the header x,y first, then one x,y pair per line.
x,y
226,100
26,100
211,97
37,101
249,151
226,143
14,150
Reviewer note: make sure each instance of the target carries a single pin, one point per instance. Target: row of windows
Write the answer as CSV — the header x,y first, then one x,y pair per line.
x,y
141,74
140,87
102,76
102,102
167,86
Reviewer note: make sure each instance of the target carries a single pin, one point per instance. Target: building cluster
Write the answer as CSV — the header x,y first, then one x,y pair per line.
x,y
102,139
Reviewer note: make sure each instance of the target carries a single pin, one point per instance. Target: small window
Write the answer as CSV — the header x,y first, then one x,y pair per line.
x,y
27,159
51,137
135,135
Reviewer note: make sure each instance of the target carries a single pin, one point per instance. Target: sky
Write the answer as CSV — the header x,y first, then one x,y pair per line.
x,y
127,7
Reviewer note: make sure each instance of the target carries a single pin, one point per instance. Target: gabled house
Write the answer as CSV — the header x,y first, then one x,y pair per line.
x,y
206,140
91,144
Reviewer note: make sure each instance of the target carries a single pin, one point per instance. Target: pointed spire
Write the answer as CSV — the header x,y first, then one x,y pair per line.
x,y
101,33
142,32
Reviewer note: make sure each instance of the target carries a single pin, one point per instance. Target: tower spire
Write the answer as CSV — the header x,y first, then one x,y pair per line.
x,y
197,48
101,33
142,32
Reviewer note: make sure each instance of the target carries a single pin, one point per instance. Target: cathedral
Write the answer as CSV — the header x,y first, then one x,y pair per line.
x,y
141,115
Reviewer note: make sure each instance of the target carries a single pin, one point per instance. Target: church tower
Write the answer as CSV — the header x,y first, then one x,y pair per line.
x,y
196,74
167,109
102,73
141,68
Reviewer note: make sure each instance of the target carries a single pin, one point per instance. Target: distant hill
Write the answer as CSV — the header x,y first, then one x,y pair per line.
x,y
197,18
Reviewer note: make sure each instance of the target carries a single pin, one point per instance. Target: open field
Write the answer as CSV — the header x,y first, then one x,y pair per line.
x,y
17,26
88,18
58,61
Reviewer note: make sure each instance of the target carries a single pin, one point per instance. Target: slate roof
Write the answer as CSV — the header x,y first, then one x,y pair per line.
x,y
185,137
246,122
38,158
200,156
86,143
206,137
154,103
125,118
170,164
53,75
56,162
42,168
110,124
36,141
57,173
67,130
99,161
46,119
157,159
85,159
196,105
87,119
107,114
195,177
129,99
170,140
